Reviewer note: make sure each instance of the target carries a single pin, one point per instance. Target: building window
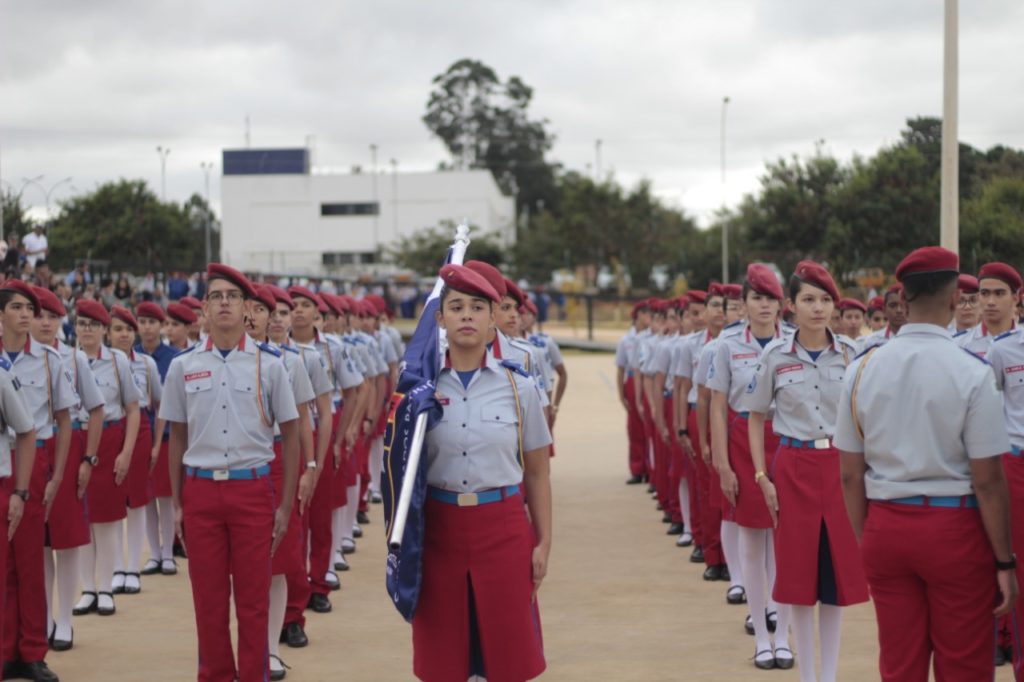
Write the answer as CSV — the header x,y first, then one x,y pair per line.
x,y
335,258
363,208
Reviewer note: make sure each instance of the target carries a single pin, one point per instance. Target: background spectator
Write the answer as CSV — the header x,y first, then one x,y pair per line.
x,y
41,276
123,290
35,244
177,286
106,293
12,261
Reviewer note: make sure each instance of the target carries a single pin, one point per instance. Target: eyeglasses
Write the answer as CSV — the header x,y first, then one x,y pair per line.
x,y
717,305
231,297
968,301
87,324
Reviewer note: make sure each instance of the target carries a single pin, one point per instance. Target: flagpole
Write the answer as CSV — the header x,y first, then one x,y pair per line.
x,y
420,430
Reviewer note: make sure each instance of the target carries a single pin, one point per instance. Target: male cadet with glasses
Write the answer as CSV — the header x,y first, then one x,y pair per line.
x,y
921,434
968,314
222,398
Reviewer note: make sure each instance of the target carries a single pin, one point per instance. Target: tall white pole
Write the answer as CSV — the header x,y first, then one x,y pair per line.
x,y
949,216
376,201
597,161
725,224
163,152
207,166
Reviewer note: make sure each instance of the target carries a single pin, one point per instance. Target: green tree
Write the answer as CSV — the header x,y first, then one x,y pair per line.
x,y
992,224
424,251
485,123
16,221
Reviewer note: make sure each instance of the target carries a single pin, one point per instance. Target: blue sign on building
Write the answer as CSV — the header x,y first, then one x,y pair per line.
x,y
266,161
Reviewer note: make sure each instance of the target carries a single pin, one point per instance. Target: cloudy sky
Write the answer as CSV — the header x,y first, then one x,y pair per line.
x,y
89,89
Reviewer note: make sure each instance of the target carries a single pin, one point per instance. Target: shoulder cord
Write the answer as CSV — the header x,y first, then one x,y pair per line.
x,y
853,393
259,391
49,385
519,417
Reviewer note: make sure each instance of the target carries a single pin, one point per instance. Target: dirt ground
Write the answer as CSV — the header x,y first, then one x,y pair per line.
x,y
621,602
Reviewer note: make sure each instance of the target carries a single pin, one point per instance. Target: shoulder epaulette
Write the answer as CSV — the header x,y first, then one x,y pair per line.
x,y
732,324
183,351
291,349
777,342
5,364
267,348
515,367
961,333
867,350
1006,334
976,357
50,349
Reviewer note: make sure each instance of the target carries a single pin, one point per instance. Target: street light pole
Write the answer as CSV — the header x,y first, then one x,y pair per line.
x,y
163,152
394,197
949,212
725,222
207,166
597,160
47,193
376,201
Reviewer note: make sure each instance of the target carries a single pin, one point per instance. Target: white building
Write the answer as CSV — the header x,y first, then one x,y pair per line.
x,y
278,216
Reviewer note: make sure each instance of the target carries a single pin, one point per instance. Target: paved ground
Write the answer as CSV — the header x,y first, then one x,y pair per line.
x,y
621,601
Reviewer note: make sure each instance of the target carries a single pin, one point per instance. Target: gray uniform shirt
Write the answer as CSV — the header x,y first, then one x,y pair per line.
x,y
45,383
15,416
926,408
147,379
83,380
624,349
734,364
114,377
977,339
689,359
1007,358
475,446
226,405
805,391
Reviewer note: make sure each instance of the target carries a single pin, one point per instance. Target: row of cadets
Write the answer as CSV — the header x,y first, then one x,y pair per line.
x,y
49,393
288,559
745,522
922,440
67,527
160,533
653,390
376,308
551,353
222,399
626,381
795,391
895,317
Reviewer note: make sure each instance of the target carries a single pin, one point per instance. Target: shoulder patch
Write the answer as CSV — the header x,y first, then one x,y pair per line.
x,y
515,367
267,348
976,357
5,364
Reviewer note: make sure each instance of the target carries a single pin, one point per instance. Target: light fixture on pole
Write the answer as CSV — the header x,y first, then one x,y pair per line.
x,y
207,166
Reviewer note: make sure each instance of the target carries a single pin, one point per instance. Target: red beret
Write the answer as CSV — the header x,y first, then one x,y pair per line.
x,y
191,302
378,302
491,274
49,301
296,291
221,271
150,309
761,279
926,260
531,306
280,295
716,289
515,292
181,313
125,315
697,296
1003,273
815,274
328,301
852,304
967,284
877,303
265,296
26,290
345,303
683,302
733,292
94,310
467,281
637,307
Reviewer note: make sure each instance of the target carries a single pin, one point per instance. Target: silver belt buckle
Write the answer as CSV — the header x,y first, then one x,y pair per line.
x,y
467,500
221,474
822,444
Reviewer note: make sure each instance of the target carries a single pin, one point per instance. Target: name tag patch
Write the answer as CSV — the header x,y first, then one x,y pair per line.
x,y
1014,369
786,369
194,376
444,400
744,356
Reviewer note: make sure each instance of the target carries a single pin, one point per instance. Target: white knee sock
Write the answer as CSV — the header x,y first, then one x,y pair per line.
x,y
135,528
783,610
67,594
730,533
166,508
752,558
48,575
278,605
684,506
119,543
830,626
153,530
337,529
352,507
87,563
376,463
105,536
802,618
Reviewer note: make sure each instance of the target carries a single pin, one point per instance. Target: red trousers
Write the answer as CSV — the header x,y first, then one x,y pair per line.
x,y
710,510
25,609
634,431
319,514
1013,465
5,498
229,525
932,577
674,457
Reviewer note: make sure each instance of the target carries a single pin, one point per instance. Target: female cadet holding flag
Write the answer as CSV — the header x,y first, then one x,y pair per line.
x,y
482,561
816,557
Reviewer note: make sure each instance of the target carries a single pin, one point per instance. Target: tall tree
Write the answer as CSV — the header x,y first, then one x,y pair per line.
x,y
16,220
423,251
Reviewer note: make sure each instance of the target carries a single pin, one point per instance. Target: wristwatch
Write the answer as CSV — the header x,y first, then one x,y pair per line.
x,y
999,565
311,464
23,494
92,460
759,475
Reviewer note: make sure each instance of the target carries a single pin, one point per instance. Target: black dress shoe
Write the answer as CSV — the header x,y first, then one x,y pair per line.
x,y
294,636
38,671
786,661
362,518
89,608
119,589
736,595
697,556
152,567
108,610
771,618
1000,657
666,517
748,625
650,488
179,550
13,670
713,573
675,529
357,533
764,663
723,573
63,644
320,603
634,480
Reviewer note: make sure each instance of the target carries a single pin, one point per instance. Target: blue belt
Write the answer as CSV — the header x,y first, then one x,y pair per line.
x,y
336,402
693,406
820,444
1015,451
946,502
40,443
472,499
277,438
743,415
79,426
229,474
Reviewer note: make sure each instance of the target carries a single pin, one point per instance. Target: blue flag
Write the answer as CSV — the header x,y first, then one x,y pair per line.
x,y
414,395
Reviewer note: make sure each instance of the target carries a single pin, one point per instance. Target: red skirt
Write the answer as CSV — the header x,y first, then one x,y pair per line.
x,y
477,558
288,557
104,499
138,472
811,494
160,477
751,510
68,526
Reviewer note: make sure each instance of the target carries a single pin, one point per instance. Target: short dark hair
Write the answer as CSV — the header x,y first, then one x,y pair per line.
x,y
928,284
447,290
794,287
